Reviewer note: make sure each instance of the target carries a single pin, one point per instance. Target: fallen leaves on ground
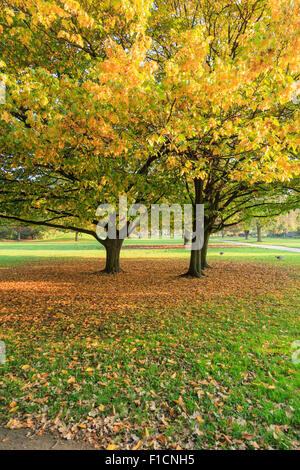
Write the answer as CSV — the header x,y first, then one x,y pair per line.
x,y
149,360
42,293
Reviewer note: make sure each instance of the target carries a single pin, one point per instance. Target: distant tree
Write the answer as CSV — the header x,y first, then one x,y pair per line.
x,y
285,223
19,232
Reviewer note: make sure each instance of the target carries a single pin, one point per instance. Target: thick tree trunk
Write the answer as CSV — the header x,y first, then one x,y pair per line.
x,y
204,263
113,248
195,264
258,228
195,257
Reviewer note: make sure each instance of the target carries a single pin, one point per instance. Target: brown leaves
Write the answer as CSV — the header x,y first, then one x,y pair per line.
x,y
162,439
92,353
46,293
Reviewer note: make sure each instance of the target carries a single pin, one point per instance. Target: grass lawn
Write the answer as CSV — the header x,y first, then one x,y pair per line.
x,y
146,359
57,236
15,253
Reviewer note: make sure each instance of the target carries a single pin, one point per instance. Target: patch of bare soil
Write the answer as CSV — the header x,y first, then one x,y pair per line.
x,y
21,439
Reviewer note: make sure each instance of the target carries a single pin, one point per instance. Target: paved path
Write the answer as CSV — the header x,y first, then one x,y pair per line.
x,y
268,247
22,439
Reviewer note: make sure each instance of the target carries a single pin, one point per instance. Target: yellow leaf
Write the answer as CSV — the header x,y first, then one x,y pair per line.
x,y
111,447
137,446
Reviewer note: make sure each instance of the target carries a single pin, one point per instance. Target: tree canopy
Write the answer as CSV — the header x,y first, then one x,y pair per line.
x,y
125,97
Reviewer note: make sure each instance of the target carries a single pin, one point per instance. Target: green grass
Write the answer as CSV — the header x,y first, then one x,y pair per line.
x,y
209,375
15,253
57,236
220,369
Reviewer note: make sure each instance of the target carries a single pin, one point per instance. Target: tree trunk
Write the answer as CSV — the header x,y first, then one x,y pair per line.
x,y
258,227
113,248
186,241
246,232
19,234
195,264
204,251
195,257
76,236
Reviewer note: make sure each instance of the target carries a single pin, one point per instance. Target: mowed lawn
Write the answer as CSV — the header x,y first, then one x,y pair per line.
x,y
147,359
15,253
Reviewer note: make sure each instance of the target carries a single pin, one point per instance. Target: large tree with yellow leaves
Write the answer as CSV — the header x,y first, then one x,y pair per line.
x,y
228,73
76,121
120,97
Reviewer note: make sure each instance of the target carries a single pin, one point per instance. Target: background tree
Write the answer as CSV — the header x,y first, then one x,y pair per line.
x,y
285,223
259,230
11,231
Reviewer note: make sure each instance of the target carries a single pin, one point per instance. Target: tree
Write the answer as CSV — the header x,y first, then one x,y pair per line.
x,y
258,230
285,223
96,109
237,204
228,71
10,231
74,128
281,203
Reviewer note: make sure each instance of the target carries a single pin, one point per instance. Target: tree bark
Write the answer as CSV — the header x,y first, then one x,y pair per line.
x,y
246,232
195,264
195,257
204,263
76,236
258,227
113,249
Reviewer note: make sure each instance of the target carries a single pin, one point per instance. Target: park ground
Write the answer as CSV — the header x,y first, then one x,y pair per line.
x,y
147,359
